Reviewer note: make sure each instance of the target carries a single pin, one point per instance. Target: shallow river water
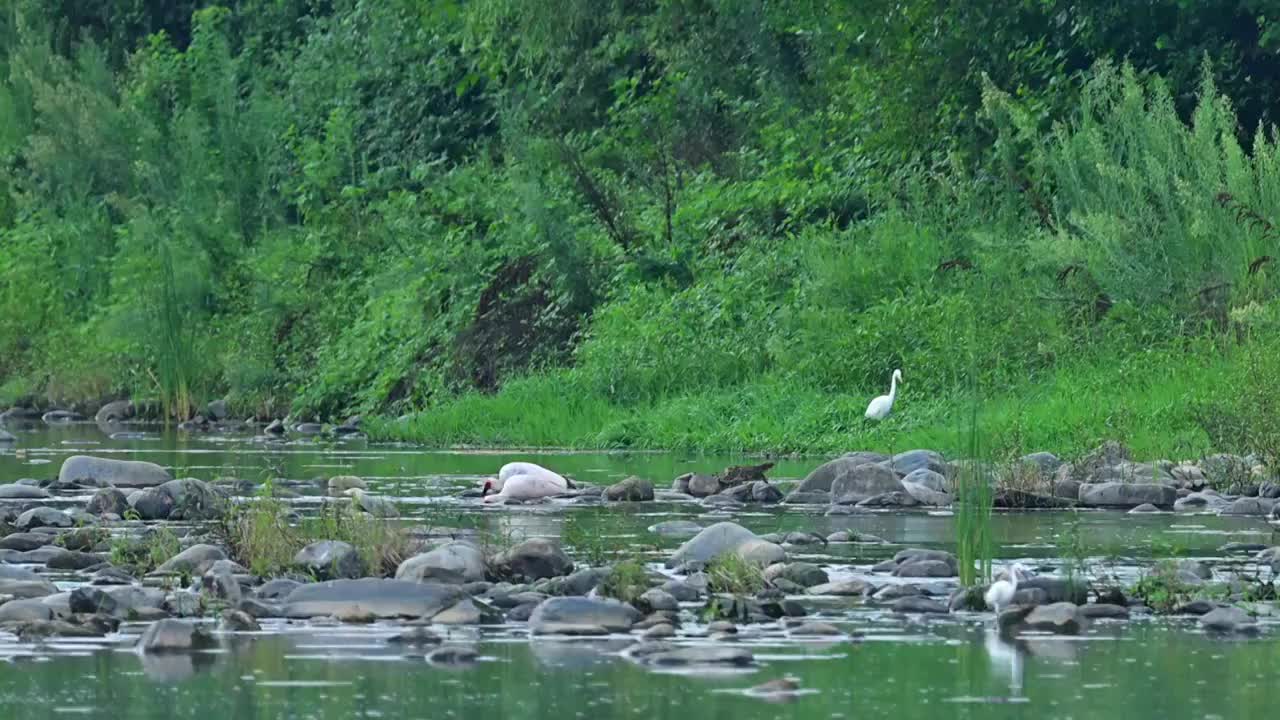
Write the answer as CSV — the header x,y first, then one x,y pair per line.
x,y
894,666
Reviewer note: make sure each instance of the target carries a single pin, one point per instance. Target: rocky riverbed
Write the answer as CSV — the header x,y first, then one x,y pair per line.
x,y
713,569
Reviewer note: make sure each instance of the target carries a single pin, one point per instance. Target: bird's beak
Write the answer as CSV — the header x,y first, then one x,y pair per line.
x,y
488,488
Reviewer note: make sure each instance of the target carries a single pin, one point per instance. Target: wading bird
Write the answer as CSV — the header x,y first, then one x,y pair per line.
x,y
524,481
1001,592
879,408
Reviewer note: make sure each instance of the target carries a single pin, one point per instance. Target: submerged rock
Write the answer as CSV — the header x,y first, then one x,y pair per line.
x,y
371,597
174,636
1228,619
582,616
88,470
665,655
633,489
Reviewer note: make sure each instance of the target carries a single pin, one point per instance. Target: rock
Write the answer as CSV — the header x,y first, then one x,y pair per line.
x,y
1189,476
238,621
416,637
744,474
193,500
452,655
927,487
195,560
808,497
1102,610
1201,501
633,489
1224,470
23,542
1269,490
115,411
897,498
659,631
533,559
861,482
582,616
925,569
6,437
22,588
1228,619
25,610
17,491
1045,463
1195,607
1062,618
42,517
703,485
695,655
918,604
108,501
681,590
371,597
801,573
816,629
844,588
277,589
676,529
275,427
88,470
339,484
763,492
73,560
1053,589
584,581
1145,508
217,410
454,562
821,479
1129,495
681,484
174,636
725,537
1255,506
375,506
467,612
657,600
330,560
913,460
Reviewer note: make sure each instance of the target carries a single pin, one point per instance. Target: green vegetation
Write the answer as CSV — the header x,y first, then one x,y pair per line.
x,y
144,553
264,535
731,574
626,581
708,224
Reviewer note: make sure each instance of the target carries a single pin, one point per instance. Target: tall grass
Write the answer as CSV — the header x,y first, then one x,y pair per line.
x,y
973,501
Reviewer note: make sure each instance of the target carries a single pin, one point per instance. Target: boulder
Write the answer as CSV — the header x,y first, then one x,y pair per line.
x,y
912,460
88,470
633,489
1256,506
701,485
660,654
725,537
1063,618
454,562
927,487
115,411
151,503
193,500
533,559
25,610
925,569
467,611
174,636
24,589
277,589
339,484
764,492
42,517
582,616
1207,500
329,560
821,478
23,542
73,560
803,574
1126,495
370,597
108,501
17,491
658,600
919,604
1228,619
195,560
861,482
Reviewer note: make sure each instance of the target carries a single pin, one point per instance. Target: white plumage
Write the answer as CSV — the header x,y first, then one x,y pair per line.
x,y
1001,592
879,408
524,481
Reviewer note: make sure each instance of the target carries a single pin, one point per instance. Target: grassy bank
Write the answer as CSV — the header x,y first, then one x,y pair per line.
x,y
1162,403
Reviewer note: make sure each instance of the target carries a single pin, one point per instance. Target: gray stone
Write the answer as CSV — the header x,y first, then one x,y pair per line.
x,y
372,504
1063,618
701,485
339,484
533,559
1145,508
721,538
26,589
681,590
821,479
1046,463
844,588
23,542
1228,619
238,621
656,600
1128,495
912,460
370,597
115,411
42,517
857,483
25,610
918,604
17,491
73,560
582,616
633,489
452,655
108,501
659,631
88,470
801,573
816,629
925,569
329,560
1104,611
277,589
467,611
193,500
693,655
764,492
174,636
1201,501
808,497
454,562
195,560
676,529
1255,506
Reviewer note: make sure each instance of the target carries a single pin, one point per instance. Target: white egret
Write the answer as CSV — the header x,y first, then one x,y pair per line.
x,y
879,408
524,481
1001,592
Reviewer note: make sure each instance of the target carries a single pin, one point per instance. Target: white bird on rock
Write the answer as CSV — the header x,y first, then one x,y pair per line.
x,y
524,481
1001,592
879,408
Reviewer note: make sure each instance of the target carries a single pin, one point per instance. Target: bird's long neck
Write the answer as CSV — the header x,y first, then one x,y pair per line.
x,y
893,387
1013,579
